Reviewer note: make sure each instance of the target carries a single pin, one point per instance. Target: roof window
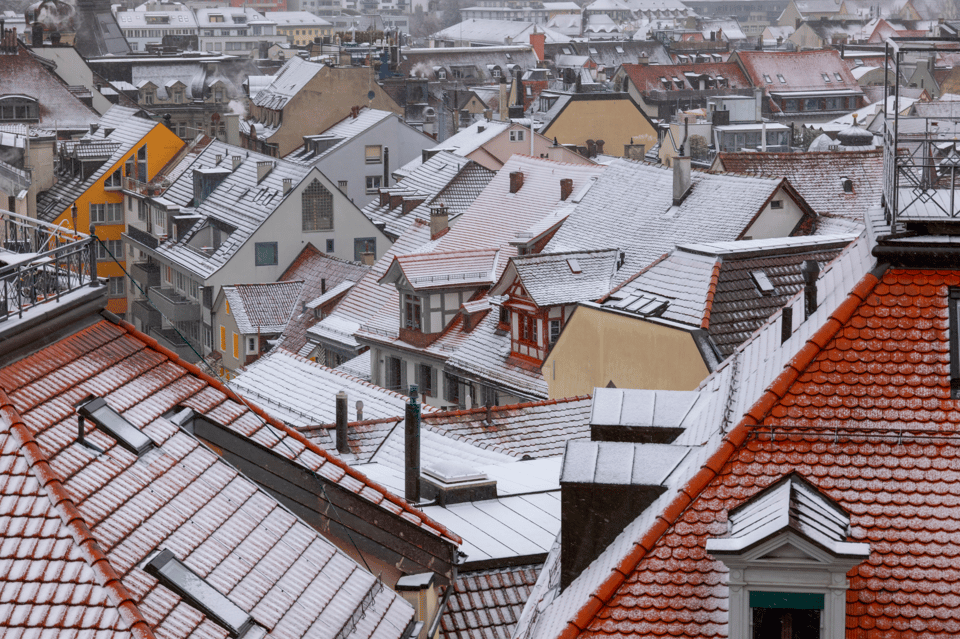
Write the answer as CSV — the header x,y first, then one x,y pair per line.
x,y
825,76
767,78
763,283
838,77
781,78
114,424
179,578
574,265
847,184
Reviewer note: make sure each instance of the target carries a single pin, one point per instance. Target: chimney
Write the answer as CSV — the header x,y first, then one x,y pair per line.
x,y
603,487
55,39
219,159
263,169
681,178
538,41
786,323
600,144
342,446
359,410
504,100
386,167
566,188
323,286
411,424
644,59
810,271
481,128
287,185
369,259
36,35
516,181
439,221
236,161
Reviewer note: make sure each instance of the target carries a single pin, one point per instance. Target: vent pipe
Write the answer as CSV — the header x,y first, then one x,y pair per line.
x,y
412,448
386,167
810,271
342,446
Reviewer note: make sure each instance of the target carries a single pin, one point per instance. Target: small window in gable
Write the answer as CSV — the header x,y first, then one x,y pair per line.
x,y
776,204
317,204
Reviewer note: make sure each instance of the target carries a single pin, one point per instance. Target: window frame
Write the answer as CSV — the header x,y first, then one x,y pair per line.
x,y
517,135
320,217
373,184
373,159
260,260
412,312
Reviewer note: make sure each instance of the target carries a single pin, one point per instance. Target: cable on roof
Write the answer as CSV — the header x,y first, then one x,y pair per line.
x,y
265,423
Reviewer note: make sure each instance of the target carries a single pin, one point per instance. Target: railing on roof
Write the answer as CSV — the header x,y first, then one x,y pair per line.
x,y
42,262
450,277
379,331
148,189
921,157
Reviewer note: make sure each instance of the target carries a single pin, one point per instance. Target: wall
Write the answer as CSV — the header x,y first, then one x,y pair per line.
x,y
615,122
775,222
495,153
73,70
597,347
328,98
348,163
806,38
162,145
226,321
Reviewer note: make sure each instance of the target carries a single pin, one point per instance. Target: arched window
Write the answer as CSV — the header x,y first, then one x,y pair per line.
x,y
317,203
18,107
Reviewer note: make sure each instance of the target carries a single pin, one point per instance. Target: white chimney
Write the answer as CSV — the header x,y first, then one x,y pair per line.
x,y
681,178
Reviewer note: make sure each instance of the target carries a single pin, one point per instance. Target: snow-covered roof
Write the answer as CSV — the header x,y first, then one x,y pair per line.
x,y
262,308
551,279
497,32
462,143
446,269
288,81
295,19
338,135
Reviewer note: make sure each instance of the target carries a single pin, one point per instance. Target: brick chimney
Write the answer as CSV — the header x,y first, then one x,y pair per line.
x,y
439,221
538,41
516,181
566,188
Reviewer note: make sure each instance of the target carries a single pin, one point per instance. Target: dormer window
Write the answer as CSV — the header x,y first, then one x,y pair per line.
x,y
19,107
527,325
412,312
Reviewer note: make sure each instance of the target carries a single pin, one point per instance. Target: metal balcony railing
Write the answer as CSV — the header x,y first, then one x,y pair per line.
x,y
174,306
40,262
921,169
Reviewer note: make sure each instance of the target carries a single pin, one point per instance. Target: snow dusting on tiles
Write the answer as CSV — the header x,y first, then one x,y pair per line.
x,y
93,519
486,604
338,135
263,308
551,279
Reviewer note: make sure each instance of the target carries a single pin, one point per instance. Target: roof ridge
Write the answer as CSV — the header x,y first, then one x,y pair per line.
x,y
711,292
275,423
483,409
635,276
73,521
714,464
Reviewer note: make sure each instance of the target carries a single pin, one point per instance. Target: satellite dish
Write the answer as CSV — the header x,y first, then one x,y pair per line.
x,y
371,95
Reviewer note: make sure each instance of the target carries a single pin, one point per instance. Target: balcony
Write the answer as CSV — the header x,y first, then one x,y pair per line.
x,y
147,274
141,239
149,317
921,167
169,338
174,306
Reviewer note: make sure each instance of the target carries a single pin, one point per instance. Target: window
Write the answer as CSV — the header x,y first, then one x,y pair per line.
x,y
781,78
373,154
554,331
426,380
838,77
394,373
106,419
195,590
223,339
412,312
488,396
505,317
19,108
317,203
208,337
330,246
114,180
363,245
528,329
109,213
236,346
373,184
767,78
142,164
451,389
776,204
847,184
826,77
517,135
116,286
265,253
107,250
251,345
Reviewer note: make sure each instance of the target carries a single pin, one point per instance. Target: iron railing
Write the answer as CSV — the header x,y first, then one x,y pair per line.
x,y
40,263
921,164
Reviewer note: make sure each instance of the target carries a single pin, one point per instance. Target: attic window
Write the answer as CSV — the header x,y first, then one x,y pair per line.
x,y
574,265
781,78
619,49
763,283
767,79
179,578
838,77
114,424
826,77
847,184
566,50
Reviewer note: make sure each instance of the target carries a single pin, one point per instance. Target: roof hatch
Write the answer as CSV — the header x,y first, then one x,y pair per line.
x,y
114,424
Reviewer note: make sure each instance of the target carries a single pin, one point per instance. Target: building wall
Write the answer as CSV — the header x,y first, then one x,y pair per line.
x,y
304,34
348,163
328,98
775,222
597,347
225,324
497,151
162,145
615,122
806,38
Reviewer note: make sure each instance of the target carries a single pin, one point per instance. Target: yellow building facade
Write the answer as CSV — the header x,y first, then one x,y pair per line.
x,y
155,149
613,118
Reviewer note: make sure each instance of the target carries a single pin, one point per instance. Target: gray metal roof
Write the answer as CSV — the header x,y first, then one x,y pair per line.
x,y
620,463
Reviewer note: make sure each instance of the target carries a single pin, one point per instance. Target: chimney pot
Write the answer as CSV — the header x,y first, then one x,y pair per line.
x,y
566,188
263,169
287,185
516,181
342,446
219,159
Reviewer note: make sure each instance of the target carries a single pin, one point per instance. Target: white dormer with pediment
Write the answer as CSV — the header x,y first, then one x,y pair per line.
x,y
788,557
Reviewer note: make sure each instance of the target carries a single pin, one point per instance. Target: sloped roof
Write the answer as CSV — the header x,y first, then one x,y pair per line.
x,y
315,269
801,70
343,131
817,177
654,551
82,523
445,269
551,279
631,207
497,32
647,77
486,604
286,83
462,143
263,308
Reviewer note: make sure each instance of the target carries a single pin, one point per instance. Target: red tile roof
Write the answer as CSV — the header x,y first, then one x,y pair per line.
x,y
801,69
864,413
76,525
647,77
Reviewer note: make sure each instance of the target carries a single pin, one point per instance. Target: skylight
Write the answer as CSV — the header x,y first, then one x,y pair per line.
x,y
574,266
781,78
112,423
838,77
176,576
763,282
767,78
826,77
